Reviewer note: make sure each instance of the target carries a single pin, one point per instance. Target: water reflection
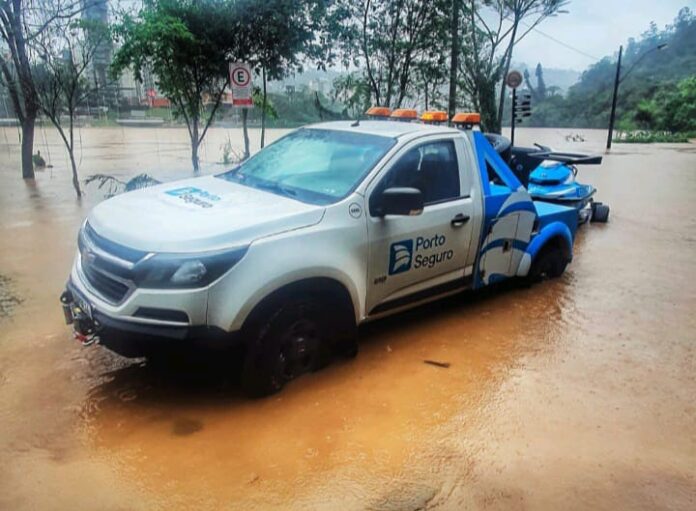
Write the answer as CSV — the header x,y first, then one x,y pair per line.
x,y
372,413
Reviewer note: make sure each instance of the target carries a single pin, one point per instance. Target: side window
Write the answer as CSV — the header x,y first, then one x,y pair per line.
x,y
432,168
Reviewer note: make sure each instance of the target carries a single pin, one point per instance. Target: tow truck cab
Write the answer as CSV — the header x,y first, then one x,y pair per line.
x,y
331,226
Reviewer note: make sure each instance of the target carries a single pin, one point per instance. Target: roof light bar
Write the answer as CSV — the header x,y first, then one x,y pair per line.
x,y
378,111
434,116
404,114
466,120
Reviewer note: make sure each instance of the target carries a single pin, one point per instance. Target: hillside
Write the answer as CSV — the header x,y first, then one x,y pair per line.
x,y
652,80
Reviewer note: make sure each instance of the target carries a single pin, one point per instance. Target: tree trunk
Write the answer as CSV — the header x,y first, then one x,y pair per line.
x,y
75,179
263,108
195,143
454,53
506,70
28,146
489,113
246,133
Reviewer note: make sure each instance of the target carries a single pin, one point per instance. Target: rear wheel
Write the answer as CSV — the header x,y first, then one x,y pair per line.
x,y
550,263
291,342
600,212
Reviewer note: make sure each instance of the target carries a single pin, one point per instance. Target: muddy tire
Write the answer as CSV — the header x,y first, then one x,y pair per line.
x,y
600,212
550,263
290,342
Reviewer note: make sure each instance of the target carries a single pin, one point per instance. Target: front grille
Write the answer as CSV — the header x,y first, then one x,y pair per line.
x,y
107,266
122,252
109,288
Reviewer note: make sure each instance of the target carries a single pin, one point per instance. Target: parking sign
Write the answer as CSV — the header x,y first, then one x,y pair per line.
x,y
240,81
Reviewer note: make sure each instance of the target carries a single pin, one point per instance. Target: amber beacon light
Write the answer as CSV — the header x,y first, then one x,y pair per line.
x,y
378,112
434,116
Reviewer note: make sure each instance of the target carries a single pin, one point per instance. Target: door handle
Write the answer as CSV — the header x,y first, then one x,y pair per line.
x,y
460,220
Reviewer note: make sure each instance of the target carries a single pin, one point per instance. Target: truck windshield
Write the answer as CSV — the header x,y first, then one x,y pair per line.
x,y
312,165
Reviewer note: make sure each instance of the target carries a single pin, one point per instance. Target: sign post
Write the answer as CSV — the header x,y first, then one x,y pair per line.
x,y
240,81
513,80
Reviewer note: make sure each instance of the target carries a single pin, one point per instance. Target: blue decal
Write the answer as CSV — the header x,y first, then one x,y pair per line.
x,y
400,256
192,190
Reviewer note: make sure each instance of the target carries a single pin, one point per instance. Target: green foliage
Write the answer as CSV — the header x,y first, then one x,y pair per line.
x,y
186,44
353,91
257,99
656,94
391,41
650,137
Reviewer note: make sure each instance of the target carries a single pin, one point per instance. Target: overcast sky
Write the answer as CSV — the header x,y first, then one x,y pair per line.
x,y
596,27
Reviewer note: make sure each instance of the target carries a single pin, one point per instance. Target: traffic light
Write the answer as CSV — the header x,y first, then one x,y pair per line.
x,y
521,106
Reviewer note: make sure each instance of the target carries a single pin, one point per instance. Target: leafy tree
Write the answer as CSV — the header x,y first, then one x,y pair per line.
x,y
21,23
387,39
60,79
491,29
186,45
539,92
653,94
278,35
353,91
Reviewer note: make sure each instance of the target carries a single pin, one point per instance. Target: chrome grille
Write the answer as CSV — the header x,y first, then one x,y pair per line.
x,y
111,289
107,266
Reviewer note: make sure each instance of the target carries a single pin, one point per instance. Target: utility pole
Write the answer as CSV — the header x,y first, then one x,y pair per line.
x,y
514,114
620,78
613,101
452,105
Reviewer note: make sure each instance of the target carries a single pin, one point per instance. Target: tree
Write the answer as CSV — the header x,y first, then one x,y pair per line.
x,y
279,35
21,23
387,38
539,92
186,45
491,29
60,78
353,91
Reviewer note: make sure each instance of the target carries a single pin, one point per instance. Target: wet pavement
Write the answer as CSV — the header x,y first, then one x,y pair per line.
x,y
579,393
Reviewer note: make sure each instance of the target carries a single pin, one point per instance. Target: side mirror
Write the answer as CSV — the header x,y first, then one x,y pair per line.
x,y
400,201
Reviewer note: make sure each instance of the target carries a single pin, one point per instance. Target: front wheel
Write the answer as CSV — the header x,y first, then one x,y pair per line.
x,y
291,342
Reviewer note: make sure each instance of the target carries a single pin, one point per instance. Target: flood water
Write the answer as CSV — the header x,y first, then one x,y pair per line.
x,y
578,393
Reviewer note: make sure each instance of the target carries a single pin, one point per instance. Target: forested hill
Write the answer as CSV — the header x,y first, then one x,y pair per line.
x,y
646,89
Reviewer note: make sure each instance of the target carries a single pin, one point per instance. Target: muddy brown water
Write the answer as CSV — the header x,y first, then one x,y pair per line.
x,y
578,393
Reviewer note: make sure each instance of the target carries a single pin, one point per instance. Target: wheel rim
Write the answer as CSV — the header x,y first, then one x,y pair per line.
x,y
298,349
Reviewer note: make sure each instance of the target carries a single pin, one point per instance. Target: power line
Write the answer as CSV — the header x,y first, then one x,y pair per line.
x,y
566,45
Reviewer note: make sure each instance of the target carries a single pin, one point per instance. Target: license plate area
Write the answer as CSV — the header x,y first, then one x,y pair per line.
x,y
78,309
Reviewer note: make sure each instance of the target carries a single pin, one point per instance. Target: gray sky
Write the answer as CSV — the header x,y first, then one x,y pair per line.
x,y
597,27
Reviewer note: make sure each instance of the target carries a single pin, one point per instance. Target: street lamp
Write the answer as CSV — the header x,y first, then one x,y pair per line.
x,y
619,79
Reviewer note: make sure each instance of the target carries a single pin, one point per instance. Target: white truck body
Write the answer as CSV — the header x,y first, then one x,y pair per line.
x,y
383,263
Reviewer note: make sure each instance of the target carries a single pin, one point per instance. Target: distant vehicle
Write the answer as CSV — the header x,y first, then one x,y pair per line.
x,y
331,226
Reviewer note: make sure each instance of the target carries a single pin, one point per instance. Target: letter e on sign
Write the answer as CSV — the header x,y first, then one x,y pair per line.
x,y
240,81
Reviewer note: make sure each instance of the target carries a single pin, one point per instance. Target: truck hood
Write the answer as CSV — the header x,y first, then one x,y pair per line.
x,y
199,214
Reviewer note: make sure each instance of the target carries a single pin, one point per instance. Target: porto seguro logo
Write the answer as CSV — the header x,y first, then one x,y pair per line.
x,y
400,255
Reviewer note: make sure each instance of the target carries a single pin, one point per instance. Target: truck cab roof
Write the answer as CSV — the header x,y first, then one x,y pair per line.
x,y
392,129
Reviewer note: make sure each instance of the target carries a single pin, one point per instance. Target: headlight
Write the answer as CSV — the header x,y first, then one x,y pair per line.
x,y
175,271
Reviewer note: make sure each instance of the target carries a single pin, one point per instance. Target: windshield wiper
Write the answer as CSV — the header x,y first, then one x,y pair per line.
x,y
272,186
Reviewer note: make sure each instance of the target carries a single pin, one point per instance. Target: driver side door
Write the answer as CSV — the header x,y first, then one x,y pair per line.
x,y
416,256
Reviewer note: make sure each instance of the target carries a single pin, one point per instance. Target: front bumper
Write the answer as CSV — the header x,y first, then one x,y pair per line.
x,y
133,337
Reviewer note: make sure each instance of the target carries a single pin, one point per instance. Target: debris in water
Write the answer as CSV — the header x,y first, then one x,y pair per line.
x,y
435,363
8,301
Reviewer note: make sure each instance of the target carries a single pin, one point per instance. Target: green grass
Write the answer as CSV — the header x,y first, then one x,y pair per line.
x,y
653,137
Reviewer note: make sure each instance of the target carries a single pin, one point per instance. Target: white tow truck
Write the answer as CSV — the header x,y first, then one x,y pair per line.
x,y
332,225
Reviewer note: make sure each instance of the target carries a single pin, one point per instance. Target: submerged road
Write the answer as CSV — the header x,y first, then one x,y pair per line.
x,y
579,393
